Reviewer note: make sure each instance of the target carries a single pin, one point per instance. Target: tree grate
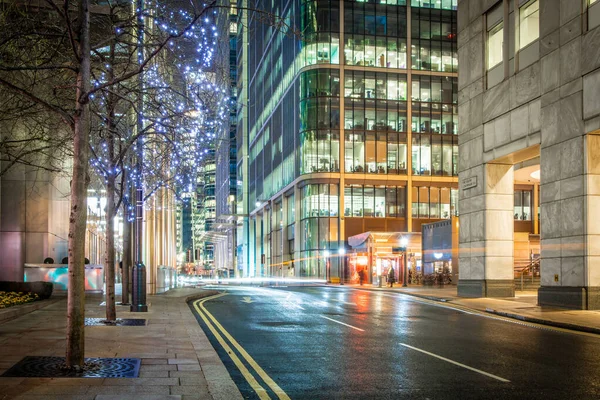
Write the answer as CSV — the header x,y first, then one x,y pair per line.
x,y
118,322
54,367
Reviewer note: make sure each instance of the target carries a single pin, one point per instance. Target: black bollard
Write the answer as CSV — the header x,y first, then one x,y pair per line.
x,y
138,293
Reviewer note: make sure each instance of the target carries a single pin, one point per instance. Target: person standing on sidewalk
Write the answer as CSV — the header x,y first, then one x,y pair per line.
x,y
391,277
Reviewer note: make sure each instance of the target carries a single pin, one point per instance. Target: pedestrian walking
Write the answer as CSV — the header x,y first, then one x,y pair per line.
x,y
391,277
360,276
410,276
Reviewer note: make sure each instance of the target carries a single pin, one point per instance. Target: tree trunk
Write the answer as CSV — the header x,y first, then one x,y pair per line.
x,y
126,254
77,219
109,267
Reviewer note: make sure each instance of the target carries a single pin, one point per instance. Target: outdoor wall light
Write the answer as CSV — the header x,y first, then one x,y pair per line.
x,y
260,202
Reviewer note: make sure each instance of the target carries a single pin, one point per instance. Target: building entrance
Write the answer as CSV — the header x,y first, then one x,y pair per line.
x,y
373,254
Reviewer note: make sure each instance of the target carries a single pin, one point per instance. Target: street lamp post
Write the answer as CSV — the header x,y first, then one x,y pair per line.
x,y
404,243
138,273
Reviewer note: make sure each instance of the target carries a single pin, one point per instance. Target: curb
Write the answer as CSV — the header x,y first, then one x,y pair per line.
x,y
15,312
421,296
564,325
220,383
426,297
205,293
556,324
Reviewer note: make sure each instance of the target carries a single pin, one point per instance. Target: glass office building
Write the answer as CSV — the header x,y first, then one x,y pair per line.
x,y
205,212
226,161
348,123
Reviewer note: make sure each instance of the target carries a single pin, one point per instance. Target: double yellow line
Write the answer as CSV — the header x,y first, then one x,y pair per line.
x,y
220,333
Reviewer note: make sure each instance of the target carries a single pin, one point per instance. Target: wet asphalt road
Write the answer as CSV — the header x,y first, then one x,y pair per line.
x,y
395,347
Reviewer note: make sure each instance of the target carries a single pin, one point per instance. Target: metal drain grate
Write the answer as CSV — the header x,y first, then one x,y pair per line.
x,y
52,367
118,322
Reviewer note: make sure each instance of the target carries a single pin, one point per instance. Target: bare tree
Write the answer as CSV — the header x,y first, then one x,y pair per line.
x,y
177,109
46,62
55,82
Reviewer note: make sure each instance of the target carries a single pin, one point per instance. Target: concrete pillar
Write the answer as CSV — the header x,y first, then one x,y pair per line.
x,y
149,247
252,234
570,160
299,256
570,269
486,234
34,219
257,245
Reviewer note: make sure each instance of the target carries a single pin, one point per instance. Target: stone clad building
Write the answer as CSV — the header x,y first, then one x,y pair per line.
x,y
529,94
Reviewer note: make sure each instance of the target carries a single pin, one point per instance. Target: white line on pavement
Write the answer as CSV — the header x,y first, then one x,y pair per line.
x,y
341,323
289,303
344,302
457,363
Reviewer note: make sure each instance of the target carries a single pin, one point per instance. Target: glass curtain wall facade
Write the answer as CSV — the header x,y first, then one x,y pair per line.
x,y
351,129
204,217
226,158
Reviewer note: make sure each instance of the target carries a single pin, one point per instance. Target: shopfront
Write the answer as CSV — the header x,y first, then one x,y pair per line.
x,y
374,254
440,244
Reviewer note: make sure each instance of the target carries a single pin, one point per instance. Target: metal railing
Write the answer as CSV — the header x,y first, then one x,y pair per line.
x,y
533,269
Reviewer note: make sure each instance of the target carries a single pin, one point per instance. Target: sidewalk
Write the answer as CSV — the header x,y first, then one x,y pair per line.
x,y
178,361
522,307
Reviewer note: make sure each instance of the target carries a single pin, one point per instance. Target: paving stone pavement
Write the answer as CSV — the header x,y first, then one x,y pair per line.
x,y
177,359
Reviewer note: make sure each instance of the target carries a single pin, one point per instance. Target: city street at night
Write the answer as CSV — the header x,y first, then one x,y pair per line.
x,y
341,342
305,199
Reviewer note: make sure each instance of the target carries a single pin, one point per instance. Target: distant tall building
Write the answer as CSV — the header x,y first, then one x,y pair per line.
x,y
226,176
185,238
205,213
198,210
350,131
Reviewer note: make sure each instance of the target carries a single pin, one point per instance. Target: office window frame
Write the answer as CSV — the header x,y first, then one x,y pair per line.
x,y
368,201
432,202
525,20
593,14
495,32
523,205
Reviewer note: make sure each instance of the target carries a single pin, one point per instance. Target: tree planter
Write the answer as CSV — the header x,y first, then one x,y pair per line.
x,y
42,289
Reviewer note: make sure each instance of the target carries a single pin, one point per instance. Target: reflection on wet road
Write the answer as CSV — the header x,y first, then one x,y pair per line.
x,y
335,342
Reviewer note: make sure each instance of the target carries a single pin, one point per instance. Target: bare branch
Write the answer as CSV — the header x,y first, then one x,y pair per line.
x,y
68,119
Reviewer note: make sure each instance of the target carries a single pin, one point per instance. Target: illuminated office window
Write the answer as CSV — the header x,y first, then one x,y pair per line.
x,y
374,201
522,205
433,202
593,14
530,23
495,40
